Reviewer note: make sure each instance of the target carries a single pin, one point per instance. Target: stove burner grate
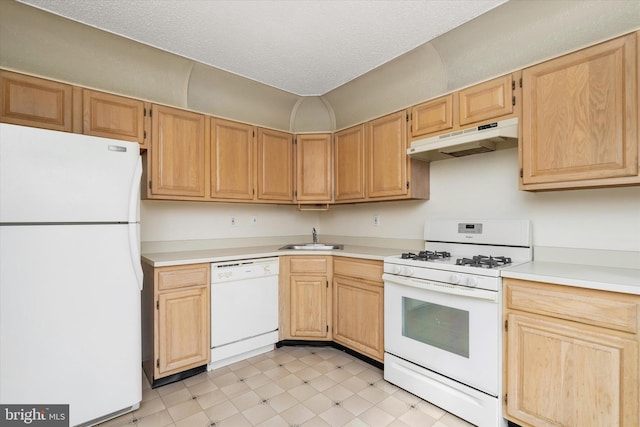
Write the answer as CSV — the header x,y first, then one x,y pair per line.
x,y
426,255
484,261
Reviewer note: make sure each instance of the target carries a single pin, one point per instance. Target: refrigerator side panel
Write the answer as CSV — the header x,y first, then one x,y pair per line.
x,y
53,177
69,319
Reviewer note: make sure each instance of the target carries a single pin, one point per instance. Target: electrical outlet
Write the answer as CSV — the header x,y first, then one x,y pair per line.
x,y
254,220
376,220
233,221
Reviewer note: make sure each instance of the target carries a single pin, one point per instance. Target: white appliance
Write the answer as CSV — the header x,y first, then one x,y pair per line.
x,y
442,311
464,142
244,309
70,273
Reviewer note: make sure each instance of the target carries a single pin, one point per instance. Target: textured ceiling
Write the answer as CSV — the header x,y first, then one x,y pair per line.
x,y
306,47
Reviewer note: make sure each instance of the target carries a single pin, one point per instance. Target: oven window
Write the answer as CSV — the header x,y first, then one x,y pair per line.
x,y
438,325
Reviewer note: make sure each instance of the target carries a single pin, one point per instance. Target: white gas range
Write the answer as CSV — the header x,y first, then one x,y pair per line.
x,y
443,310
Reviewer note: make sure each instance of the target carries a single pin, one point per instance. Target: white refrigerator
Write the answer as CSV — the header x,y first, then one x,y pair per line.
x,y
70,273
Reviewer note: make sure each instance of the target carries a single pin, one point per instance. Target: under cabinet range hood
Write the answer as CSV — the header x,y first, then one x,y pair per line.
x,y
464,142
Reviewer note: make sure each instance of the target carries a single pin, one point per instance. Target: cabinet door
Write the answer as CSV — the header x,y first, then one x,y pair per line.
x,y
580,118
432,116
358,316
178,161
313,168
30,101
486,100
308,310
112,116
275,165
387,156
349,164
564,374
232,164
183,330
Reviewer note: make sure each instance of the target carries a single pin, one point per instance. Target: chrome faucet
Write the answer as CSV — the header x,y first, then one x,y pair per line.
x,y
314,234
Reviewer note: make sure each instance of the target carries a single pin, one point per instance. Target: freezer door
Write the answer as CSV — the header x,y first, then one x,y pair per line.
x,y
53,177
69,318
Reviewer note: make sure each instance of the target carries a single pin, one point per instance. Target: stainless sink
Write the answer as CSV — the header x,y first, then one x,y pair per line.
x,y
312,247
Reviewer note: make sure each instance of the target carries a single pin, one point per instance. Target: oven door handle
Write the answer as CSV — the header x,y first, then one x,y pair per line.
x,y
444,288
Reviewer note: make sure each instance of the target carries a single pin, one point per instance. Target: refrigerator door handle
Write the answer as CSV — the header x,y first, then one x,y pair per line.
x,y
134,193
134,250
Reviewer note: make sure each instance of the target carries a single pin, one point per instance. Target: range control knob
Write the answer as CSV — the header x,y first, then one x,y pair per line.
x,y
456,279
472,281
407,271
394,269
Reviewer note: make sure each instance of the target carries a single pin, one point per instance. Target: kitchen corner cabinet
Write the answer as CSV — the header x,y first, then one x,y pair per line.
x,y
313,168
113,116
232,160
275,166
391,174
35,102
580,119
176,319
358,305
177,160
571,356
305,297
349,164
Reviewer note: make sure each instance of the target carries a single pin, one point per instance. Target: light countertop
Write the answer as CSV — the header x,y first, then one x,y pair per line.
x,y
163,259
613,279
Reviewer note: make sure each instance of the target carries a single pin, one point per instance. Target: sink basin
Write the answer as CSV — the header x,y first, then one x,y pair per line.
x,y
312,247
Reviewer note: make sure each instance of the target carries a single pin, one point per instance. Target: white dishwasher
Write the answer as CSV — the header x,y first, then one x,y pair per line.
x,y
244,309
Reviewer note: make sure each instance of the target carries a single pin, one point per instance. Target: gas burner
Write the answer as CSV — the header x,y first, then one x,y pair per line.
x,y
426,255
484,261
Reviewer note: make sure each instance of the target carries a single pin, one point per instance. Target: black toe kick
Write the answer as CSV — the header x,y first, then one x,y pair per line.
x,y
302,343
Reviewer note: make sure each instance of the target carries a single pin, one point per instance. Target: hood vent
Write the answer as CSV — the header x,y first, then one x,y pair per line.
x,y
475,140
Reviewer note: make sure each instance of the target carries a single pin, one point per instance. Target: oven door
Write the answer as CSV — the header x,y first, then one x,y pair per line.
x,y
451,330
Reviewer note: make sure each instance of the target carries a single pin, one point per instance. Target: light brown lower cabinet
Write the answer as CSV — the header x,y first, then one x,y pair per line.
x,y
358,306
571,356
305,302
175,319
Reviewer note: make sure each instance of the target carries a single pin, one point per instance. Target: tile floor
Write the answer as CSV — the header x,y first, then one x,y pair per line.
x,y
288,387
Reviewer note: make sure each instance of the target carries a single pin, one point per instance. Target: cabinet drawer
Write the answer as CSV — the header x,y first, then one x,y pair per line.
x,y
592,307
178,277
308,265
358,268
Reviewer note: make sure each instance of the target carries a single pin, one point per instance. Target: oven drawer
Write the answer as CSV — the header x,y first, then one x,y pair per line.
x,y
591,307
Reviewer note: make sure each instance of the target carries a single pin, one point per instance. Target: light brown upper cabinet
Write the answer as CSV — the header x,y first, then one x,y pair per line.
x,y
391,175
486,100
112,116
178,159
432,116
349,164
30,101
313,168
275,166
232,160
580,119
495,99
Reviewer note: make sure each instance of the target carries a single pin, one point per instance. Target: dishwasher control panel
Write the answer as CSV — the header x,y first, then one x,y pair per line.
x,y
226,271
